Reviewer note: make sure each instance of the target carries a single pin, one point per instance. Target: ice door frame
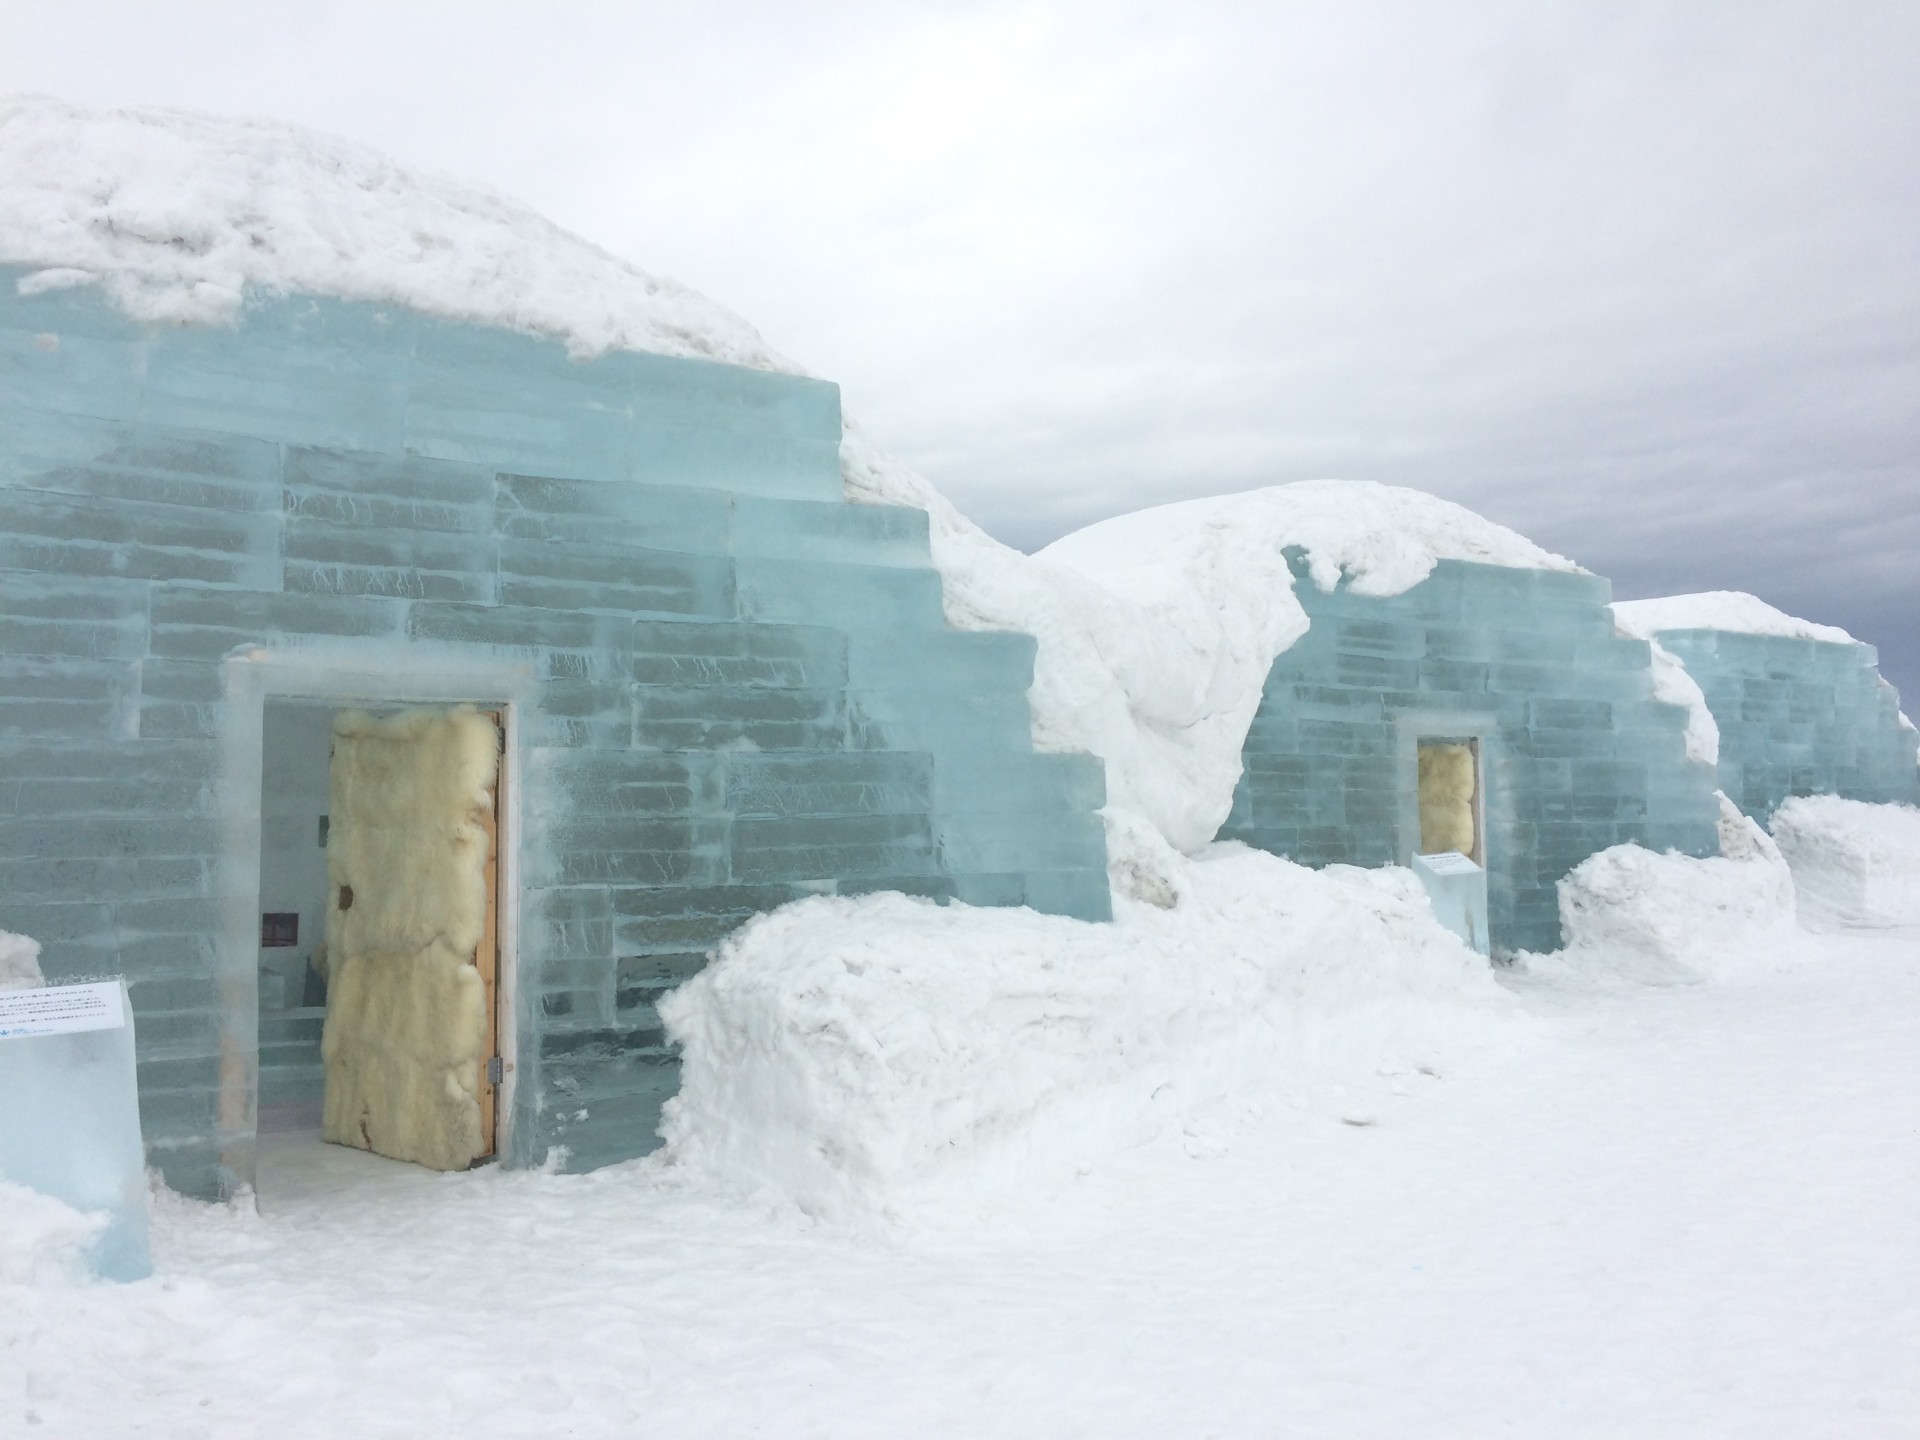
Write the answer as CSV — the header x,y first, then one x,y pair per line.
x,y
361,674
1457,728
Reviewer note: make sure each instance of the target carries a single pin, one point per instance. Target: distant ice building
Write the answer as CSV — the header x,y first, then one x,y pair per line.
x,y
1801,708
1440,685
426,636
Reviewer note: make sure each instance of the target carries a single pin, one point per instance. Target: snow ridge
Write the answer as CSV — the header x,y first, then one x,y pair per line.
x,y
179,216
878,1058
1731,610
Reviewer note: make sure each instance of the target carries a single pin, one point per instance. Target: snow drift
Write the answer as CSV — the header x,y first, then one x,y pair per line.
x,y
42,1240
1731,610
1673,684
1853,863
1156,630
19,961
178,216
874,1057
1630,914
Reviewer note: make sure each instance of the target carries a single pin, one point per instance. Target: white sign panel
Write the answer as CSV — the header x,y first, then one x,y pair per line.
x,y
1450,862
60,1010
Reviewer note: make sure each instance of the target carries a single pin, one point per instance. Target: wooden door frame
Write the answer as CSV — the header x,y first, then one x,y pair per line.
x,y
376,673
487,955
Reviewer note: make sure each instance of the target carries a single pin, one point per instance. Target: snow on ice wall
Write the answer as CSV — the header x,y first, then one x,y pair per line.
x,y
1577,754
1800,716
741,689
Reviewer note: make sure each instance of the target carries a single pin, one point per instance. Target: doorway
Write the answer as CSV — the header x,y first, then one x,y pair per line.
x,y
381,900
1450,790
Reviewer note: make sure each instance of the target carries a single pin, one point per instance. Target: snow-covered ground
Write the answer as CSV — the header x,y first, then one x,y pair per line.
x,y
1596,1207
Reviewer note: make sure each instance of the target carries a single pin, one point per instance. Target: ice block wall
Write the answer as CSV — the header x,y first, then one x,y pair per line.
x,y
1800,717
745,689
1577,755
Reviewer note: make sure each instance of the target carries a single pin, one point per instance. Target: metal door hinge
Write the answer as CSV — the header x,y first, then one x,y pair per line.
x,y
496,1070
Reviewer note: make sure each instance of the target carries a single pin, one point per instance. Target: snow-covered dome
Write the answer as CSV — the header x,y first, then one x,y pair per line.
x,y
178,216
1733,610
1386,539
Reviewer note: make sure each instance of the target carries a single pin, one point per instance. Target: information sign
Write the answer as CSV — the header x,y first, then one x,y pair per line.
x,y
61,1010
1450,862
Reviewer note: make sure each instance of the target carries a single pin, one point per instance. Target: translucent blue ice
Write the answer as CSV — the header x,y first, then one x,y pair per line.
x,y
1800,717
1576,753
730,687
70,1128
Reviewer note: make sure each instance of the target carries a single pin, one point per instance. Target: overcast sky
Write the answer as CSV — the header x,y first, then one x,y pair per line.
x,y
1642,281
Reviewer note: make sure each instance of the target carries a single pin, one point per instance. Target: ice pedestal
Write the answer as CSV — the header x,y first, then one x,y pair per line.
x,y
70,1114
1458,889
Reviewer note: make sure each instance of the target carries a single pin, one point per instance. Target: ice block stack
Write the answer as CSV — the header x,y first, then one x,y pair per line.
x,y
1577,754
741,688
1800,717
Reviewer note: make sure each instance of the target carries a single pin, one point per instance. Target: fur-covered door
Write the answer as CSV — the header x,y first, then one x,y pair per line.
x,y
1449,774
409,1028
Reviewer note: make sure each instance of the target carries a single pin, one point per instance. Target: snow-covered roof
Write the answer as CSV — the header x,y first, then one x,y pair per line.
x,y
1733,610
1385,538
1157,629
178,216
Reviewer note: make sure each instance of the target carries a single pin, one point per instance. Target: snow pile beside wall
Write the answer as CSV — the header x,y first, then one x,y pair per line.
x,y
1731,610
42,1240
1853,863
866,1057
19,961
1671,919
1674,685
178,215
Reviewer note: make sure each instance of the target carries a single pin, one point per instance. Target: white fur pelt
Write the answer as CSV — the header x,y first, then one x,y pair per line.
x,y
406,1009
1446,778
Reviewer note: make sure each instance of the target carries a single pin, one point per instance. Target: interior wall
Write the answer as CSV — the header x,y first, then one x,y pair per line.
x,y
296,737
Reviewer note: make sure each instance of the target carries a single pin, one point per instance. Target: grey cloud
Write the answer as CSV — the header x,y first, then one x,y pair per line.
x,y
1640,280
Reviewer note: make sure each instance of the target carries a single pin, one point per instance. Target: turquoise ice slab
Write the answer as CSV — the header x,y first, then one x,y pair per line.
x,y
1577,755
1800,717
741,690
1457,889
70,1125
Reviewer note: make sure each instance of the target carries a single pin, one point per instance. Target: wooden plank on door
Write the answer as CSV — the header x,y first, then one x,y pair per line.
x,y
486,958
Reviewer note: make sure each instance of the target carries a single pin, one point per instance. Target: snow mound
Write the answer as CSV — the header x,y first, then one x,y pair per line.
x,y
1853,863
1384,539
1732,610
1156,630
178,216
1673,684
19,961
42,1240
1190,603
881,1056
1629,914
